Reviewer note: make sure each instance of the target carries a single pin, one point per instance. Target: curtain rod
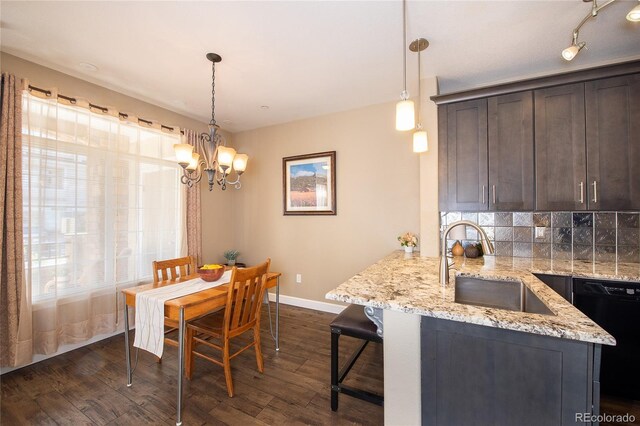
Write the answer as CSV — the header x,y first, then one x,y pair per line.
x,y
98,107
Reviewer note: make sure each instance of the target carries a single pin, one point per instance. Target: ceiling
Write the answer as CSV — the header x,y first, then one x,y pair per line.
x,y
305,58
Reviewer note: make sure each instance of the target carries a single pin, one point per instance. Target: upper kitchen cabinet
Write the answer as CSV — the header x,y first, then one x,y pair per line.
x,y
510,126
560,148
463,174
565,142
486,160
613,143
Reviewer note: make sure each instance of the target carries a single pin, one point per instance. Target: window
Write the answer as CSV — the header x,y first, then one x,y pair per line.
x,y
102,199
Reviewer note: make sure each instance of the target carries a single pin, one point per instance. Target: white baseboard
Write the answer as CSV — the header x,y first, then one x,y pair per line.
x,y
309,304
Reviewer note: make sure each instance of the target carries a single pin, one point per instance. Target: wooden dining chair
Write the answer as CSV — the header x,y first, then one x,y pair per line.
x,y
240,315
172,269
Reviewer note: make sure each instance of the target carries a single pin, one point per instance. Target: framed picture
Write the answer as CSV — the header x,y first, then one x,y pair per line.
x,y
309,184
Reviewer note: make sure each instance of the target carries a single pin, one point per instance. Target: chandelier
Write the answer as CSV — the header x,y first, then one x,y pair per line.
x,y
211,153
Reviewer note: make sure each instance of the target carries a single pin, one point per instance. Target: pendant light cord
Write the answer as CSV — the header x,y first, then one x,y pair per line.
x,y
404,46
419,88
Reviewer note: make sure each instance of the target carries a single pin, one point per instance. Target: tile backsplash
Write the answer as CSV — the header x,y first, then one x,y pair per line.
x,y
607,236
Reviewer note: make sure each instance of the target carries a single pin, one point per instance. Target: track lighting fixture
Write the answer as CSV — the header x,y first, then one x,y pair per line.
x,y
570,52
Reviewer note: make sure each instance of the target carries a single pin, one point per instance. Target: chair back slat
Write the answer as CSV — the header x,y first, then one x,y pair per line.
x,y
244,297
168,269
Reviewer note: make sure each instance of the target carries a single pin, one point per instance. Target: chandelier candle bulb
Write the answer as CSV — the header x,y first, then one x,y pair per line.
x,y
240,162
225,156
183,153
195,160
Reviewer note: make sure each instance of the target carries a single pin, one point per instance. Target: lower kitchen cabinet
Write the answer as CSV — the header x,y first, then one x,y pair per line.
x,y
481,375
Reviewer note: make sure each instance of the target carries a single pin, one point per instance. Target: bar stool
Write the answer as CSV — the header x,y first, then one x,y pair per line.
x,y
354,323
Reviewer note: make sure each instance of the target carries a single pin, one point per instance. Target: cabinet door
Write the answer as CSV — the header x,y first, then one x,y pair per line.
x,y
467,156
560,148
510,126
613,143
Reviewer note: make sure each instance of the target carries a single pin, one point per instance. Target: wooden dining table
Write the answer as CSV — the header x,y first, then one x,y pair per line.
x,y
185,308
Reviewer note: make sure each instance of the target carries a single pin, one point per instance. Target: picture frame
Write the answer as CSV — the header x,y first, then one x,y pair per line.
x,y
309,184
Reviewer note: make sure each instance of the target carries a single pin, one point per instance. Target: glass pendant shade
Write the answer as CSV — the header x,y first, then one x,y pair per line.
x,y
240,162
405,115
193,164
225,156
634,14
420,141
183,153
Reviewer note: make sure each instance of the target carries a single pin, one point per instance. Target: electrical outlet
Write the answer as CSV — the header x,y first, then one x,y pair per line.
x,y
539,232
298,278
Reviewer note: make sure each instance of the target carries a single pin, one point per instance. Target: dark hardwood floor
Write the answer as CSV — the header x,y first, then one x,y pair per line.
x,y
87,386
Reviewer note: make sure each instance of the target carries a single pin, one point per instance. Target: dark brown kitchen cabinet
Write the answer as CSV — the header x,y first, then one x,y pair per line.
x,y
463,129
510,127
560,159
613,143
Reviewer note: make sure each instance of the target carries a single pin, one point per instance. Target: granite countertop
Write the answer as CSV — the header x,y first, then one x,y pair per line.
x,y
409,283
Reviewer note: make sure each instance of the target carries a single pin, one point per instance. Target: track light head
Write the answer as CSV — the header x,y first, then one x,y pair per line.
x,y
570,52
634,14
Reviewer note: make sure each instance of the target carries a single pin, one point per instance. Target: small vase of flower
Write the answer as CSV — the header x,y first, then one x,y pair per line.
x,y
231,256
408,241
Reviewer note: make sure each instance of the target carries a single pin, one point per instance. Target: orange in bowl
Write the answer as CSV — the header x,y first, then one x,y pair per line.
x,y
211,272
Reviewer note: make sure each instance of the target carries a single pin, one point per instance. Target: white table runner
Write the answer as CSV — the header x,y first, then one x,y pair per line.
x,y
150,310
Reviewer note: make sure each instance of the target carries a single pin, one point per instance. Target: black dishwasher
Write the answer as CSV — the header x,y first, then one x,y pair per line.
x,y
614,306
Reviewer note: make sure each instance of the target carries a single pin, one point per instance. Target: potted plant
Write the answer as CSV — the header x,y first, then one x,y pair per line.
x,y
231,256
408,241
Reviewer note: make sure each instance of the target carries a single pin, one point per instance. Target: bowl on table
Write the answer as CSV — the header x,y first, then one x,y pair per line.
x,y
211,272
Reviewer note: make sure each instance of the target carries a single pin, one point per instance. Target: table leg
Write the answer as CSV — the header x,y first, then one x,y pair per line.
x,y
180,364
127,351
278,314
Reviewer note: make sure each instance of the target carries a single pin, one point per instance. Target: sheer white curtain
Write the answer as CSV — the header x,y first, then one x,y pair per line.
x,y
102,200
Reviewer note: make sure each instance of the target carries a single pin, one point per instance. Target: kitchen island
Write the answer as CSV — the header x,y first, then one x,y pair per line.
x,y
409,283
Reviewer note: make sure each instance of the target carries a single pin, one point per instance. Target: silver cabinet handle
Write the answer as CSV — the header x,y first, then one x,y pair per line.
x,y
581,192
595,191
482,194
494,193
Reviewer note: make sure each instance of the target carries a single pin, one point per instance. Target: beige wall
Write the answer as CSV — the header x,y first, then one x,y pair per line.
x,y
378,187
377,198
217,226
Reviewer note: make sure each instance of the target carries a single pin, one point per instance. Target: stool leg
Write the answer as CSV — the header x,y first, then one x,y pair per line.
x,y
334,370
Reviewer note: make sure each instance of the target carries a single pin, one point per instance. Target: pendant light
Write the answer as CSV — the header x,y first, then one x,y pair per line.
x,y
420,141
405,111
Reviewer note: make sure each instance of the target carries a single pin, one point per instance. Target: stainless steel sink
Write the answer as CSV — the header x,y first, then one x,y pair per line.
x,y
510,295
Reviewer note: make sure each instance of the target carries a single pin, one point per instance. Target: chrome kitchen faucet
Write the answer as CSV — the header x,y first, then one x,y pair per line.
x,y
487,247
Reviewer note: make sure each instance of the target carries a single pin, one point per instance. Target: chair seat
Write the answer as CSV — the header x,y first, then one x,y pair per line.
x,y
211,324
353,322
